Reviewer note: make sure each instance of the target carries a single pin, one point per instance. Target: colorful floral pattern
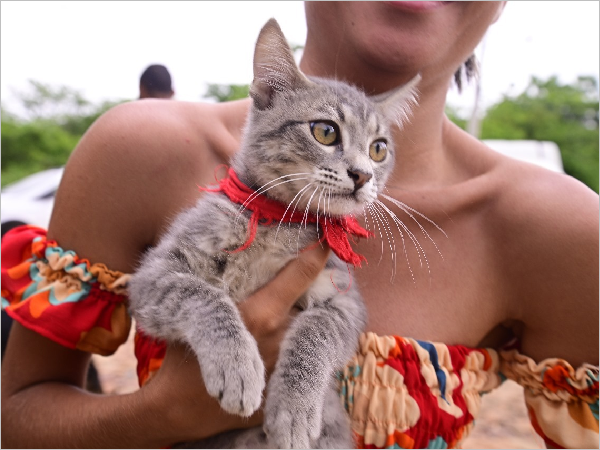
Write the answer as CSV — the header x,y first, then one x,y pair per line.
x,y
399,392
61,296
149,353
404,393
562,401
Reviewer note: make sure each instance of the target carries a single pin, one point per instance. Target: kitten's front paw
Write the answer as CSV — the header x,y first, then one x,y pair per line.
x,y
236,377
291,425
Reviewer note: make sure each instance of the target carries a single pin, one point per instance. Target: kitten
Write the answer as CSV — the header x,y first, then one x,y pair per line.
x,y
320,151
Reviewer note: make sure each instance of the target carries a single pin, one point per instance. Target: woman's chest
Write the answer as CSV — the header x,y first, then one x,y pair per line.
x,y
433,286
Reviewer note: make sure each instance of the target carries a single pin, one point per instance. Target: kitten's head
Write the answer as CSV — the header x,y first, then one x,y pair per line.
x,y
324,141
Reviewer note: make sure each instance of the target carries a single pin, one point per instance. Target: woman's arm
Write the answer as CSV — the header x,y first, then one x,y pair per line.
x,y
549,251
547,247
44,405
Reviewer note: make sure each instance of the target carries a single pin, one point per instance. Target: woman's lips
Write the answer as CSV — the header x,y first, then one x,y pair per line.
x,y
417,6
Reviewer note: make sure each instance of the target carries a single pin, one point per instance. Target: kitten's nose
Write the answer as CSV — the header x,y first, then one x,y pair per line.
x,y
359,178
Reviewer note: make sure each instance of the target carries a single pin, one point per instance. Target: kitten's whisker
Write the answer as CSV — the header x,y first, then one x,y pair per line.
x,y
420,250
255,195
305,218
328,212
288,207
319,204
411,235
389,234
261,190
401,226
301,192
407,210
389,229
367,227
376,223
408,264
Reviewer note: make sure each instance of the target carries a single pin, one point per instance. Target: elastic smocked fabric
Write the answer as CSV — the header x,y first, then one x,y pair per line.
x,y
399,392
62,296
405,393
562,401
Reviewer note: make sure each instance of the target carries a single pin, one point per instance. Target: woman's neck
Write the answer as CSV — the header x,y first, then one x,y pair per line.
x,y
421,153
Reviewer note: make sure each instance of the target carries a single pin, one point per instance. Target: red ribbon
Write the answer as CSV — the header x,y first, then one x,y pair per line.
x,y
266,211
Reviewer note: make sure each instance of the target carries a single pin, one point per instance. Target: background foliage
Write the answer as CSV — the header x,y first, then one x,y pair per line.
x,y
227,92
56,118
551,111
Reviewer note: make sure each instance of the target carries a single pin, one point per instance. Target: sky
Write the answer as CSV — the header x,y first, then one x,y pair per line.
x,y
101,48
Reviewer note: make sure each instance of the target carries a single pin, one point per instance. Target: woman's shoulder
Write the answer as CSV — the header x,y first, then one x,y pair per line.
x,y
543,202
540,229
520,194
164,126
135,168
531,211
544,227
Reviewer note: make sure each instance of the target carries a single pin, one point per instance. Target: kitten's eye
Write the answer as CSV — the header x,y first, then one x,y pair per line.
x,y
378,151
326,133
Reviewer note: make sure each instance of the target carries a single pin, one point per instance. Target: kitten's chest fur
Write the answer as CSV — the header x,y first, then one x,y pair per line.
x,y
223,228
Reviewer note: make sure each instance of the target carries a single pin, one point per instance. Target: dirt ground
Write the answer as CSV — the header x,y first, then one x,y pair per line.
x,y
503,422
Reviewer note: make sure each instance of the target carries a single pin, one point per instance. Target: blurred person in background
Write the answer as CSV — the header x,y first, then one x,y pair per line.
x,y
155,82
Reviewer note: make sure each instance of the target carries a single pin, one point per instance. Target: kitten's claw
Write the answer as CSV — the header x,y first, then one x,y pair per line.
x,y
236,377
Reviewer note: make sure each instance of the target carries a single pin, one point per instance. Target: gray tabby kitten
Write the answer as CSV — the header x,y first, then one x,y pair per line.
x,y
315,145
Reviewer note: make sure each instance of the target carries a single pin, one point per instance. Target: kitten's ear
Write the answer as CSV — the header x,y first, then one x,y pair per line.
x,y
398,102
274,67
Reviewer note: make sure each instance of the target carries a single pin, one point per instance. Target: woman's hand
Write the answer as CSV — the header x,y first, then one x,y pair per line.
x,y
268,312
177,390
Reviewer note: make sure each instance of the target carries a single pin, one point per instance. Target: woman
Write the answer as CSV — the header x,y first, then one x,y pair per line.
x,y
520,260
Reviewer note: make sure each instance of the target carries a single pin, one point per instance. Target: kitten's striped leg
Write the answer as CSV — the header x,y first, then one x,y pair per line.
x,y
231,365
182,306
320,341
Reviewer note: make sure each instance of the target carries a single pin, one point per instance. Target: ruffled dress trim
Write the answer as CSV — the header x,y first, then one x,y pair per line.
x,y
562,401
405,393
62,296
149,353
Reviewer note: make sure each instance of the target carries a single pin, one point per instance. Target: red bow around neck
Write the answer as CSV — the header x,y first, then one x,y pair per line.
x,y
335,229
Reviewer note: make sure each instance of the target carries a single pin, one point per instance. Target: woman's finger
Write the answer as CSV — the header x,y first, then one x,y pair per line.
x,y
273,302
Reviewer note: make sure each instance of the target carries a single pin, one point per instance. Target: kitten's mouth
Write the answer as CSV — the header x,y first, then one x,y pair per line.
x,y
355,196
348,203
348,196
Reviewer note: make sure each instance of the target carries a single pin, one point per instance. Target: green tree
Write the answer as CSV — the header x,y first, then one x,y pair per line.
x,y
454,115
547,110
227,92
44,101
55,119
28,147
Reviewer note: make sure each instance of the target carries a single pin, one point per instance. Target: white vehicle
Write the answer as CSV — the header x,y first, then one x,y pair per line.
x,y
30,200
542,153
